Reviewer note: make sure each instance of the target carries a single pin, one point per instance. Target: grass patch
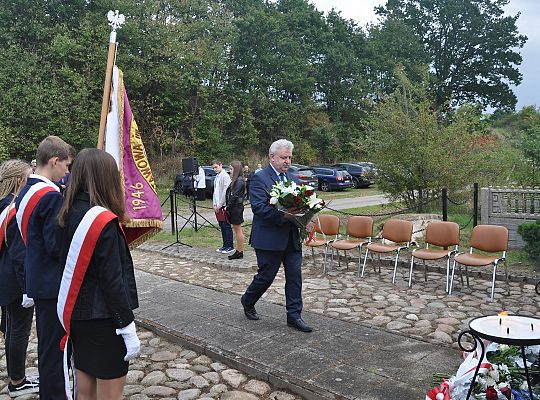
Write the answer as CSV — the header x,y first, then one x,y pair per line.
x,y
347,193
205,236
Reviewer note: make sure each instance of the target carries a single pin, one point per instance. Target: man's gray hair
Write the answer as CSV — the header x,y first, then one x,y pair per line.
x,y
278,144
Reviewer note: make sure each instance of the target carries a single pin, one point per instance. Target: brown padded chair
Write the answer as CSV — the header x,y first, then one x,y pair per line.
x,y
489,239
397,231
441,234
359,232
327,226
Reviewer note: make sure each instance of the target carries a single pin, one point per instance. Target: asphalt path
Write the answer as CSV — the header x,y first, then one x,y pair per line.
x,y
205,214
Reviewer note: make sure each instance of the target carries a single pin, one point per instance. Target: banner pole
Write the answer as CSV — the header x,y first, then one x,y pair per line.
x,y
107,90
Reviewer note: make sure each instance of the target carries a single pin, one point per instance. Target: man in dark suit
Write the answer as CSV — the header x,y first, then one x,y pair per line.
x,y
275,239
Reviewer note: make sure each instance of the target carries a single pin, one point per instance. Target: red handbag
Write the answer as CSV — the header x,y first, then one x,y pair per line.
x,y
223,215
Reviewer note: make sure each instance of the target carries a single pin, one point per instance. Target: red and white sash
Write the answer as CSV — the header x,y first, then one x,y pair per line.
x,y
79,255
5,218
29,202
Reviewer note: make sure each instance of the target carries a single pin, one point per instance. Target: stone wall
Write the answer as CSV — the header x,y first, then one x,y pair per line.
x,y
510,208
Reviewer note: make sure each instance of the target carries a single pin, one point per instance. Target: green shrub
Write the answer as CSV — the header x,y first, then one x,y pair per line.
x,y
531,235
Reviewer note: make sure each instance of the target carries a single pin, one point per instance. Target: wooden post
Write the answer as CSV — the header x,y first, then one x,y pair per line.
x,y
444,204
107,90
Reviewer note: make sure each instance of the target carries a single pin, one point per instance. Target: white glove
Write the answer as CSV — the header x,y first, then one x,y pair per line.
x,y
27,302
133,344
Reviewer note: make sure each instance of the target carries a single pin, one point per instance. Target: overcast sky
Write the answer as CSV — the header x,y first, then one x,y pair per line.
x,y
528,92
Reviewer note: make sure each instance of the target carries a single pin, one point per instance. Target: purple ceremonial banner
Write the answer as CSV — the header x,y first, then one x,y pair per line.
x,y
142,203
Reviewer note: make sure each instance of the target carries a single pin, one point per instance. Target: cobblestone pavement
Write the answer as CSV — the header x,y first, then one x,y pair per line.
x,y
167,371
424,311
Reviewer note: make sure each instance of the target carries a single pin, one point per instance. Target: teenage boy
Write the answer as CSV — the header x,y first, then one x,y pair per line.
x,y
37,207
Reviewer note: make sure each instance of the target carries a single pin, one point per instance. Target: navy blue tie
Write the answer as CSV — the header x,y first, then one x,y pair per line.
x,y
282,177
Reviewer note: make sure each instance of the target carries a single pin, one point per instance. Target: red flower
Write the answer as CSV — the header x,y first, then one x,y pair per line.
x,y
297,200
507,392
309,193
491,393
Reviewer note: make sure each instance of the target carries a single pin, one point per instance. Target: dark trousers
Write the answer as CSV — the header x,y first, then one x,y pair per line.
x,y
226,233
18,326
49,333
268,266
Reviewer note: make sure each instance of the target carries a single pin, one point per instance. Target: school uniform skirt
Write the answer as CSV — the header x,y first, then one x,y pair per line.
x,y
97,349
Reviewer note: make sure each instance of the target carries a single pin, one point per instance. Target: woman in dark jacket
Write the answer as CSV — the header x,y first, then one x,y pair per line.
x,y
235,207
18,307
101,327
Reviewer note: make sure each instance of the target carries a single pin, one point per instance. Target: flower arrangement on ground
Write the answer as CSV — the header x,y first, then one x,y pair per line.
x,y
301,198
501,375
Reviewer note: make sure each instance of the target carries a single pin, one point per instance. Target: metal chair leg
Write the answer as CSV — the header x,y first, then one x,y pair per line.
x,y
325,258
493,281
410,273
395,268
506,275
447,273
365,260
338,258
452,277
425,271
359,257
467,275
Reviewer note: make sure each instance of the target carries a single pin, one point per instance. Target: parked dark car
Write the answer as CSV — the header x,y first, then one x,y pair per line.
x,y
360,174
184,185
373,172
304,174
332,178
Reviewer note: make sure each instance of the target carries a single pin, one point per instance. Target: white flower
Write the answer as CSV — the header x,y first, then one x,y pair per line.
x,y
494,373
288,190
314,201
503,347
273,200
490,382
308,187
503,368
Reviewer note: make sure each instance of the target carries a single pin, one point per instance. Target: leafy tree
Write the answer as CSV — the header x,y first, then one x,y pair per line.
x,y
393,44
418,155
472,48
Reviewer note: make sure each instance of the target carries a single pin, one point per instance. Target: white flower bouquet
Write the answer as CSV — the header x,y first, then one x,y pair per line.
x,y
301,201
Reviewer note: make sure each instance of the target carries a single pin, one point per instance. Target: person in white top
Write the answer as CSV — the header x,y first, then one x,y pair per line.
x,y
199,184
221,183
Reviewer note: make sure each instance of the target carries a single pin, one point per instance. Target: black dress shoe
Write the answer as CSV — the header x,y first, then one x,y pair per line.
x,y
237,254
299,324
249,311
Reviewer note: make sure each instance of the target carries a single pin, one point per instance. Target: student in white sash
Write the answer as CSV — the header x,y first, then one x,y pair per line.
x,y
19,308
102,324
37,206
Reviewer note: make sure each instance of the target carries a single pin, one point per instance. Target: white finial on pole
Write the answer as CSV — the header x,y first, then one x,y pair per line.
x,y
115,21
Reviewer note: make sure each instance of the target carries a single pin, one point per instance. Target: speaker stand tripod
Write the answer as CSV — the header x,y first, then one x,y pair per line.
x,y
194,214
174,222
